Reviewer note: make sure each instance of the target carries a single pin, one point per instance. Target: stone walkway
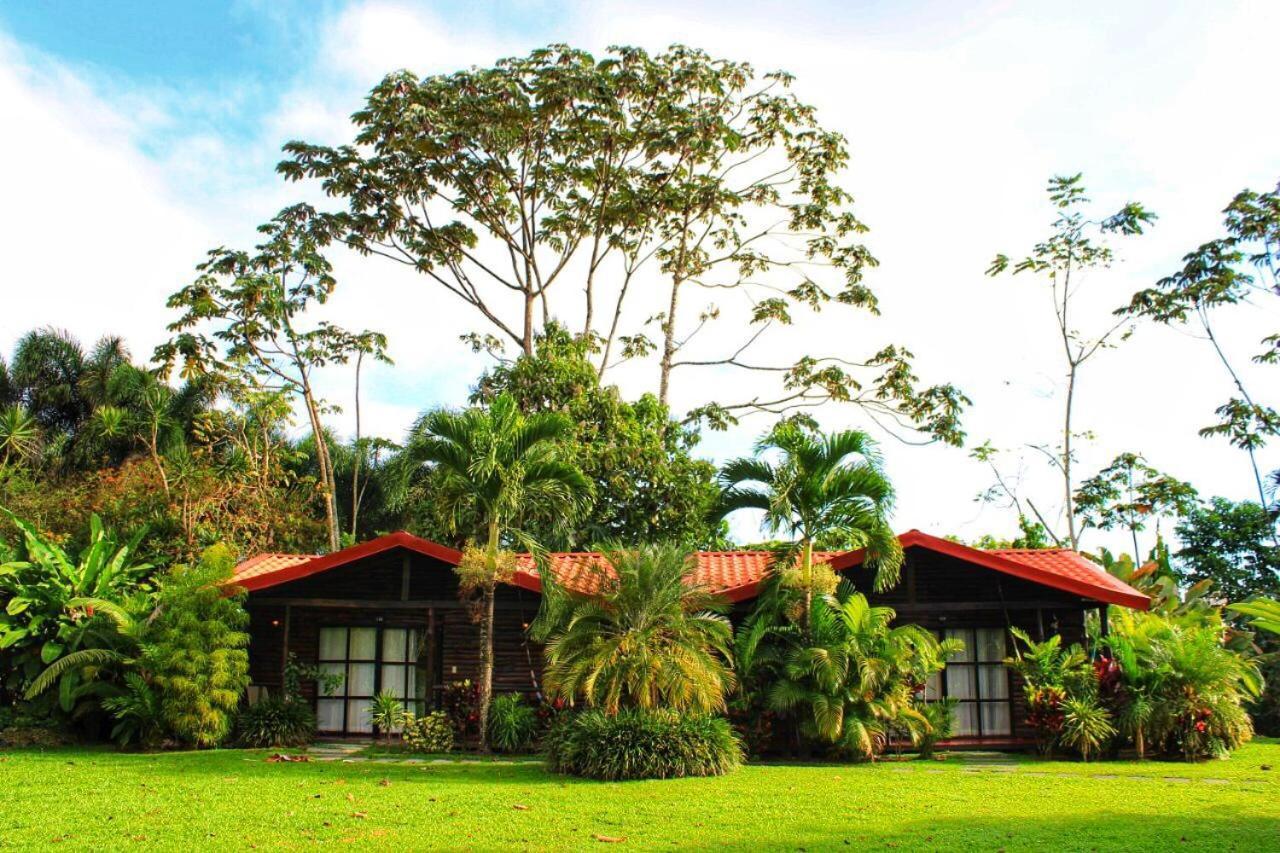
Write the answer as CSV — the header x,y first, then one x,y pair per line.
x,y
972,762
347,751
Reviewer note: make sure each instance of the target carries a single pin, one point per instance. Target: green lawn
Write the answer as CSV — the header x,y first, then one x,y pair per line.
x,y
103,799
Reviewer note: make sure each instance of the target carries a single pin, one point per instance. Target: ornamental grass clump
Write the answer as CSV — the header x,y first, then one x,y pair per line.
x,y
513,724
637,743
276,721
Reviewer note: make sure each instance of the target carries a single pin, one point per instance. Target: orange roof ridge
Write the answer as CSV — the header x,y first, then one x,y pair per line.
x,y
736,574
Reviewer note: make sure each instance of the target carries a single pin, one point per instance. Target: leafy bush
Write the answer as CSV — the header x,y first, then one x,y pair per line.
x,y
513,723
274,721
462,705
195,649
941,719
137,713
429,733
642,744
1086,726
386,712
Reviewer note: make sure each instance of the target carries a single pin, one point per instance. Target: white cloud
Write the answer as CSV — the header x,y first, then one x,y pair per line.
x,y
955,119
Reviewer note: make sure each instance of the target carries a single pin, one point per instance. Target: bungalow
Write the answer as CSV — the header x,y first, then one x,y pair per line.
x,y
385,616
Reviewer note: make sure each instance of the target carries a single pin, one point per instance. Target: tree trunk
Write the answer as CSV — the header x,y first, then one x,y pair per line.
x,y
806,578
527,343
486,642
1139,743
668,345
359,452
326,469
1069,498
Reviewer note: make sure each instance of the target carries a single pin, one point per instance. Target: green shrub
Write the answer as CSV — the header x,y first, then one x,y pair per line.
x,y
275,722
941,717
137,714
1086,726
429,733
642,744
196,649
462,706
513,724
387,713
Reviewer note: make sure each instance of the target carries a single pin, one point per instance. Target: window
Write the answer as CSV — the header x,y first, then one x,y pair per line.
x,y
977,679
365,662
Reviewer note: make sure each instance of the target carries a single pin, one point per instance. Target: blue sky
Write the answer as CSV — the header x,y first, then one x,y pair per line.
x,y
144,133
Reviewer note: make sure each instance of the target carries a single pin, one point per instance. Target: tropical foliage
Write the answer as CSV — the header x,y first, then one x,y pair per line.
x,y
65,618
817,491
276,721
497,469
846,676
652,637
195,649
1169,683
431,732
513,724
639,743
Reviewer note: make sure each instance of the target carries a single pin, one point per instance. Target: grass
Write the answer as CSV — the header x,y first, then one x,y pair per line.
x,y
83,798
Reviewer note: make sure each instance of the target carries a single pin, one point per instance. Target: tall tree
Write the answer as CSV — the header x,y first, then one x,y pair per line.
x,y
675,179
647,482
1231,545
498,469
1128,493
1225,272
256,306
817,491
1076,246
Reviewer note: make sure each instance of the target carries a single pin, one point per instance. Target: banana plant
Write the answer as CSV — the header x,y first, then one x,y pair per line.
x,y
61,618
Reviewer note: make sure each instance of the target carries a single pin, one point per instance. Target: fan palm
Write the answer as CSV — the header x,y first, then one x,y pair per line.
x,y
19,435
817,490
651,637
495,469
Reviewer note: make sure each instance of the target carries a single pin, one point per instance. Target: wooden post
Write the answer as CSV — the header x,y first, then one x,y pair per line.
x,y
284,647
1102,619
404,577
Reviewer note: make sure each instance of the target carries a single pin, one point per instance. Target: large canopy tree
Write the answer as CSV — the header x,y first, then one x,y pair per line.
x,y
498,468
648,197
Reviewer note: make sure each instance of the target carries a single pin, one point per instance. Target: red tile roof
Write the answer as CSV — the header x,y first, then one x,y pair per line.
x,y
734,574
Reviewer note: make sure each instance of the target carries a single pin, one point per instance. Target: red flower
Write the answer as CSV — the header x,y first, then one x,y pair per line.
x,y
1200,726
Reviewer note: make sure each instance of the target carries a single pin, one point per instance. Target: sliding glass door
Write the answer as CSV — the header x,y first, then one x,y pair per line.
x,y
977,679
357,663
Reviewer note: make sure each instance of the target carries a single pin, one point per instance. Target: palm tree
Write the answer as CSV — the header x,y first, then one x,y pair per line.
x,y
495,468
651,637
820,491
855,676
20,438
